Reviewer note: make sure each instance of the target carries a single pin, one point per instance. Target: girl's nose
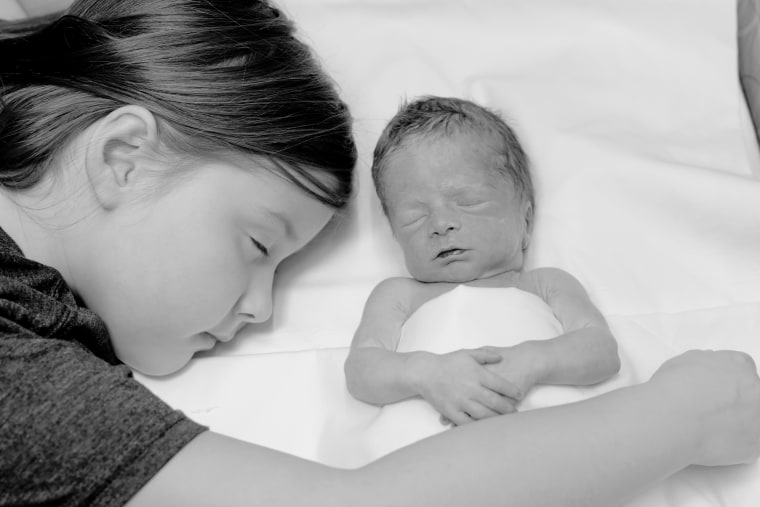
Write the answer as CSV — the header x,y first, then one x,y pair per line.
x,y
256,304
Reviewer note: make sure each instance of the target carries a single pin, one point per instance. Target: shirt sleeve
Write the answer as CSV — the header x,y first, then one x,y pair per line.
x,y
75,430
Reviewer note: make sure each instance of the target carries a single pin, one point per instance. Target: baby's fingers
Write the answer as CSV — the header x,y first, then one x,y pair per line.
x,y
496,402
477,410
459,418
500,385
485,356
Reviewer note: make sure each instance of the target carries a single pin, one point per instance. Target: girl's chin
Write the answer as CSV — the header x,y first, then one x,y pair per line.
x,y
161,368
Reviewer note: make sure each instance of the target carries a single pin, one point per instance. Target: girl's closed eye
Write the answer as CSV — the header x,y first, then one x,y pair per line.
x,y
260,247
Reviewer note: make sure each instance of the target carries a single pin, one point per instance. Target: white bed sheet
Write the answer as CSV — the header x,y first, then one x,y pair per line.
x,y
646,168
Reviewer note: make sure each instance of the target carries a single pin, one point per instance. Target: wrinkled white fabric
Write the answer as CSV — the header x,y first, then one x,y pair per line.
x,y
645,163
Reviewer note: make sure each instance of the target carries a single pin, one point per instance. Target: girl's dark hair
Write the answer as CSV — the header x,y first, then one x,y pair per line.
x,y
218,75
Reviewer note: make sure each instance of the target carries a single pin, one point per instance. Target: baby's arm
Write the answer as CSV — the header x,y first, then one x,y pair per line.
x,y
456,384
586,353
375,372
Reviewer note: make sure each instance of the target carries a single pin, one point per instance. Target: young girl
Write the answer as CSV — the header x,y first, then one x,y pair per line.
x,y
158,160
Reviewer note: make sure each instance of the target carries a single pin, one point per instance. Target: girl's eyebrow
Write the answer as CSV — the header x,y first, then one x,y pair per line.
x,y
280,223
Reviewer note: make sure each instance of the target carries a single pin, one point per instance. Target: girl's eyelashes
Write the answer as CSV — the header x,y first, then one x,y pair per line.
x,y
261,247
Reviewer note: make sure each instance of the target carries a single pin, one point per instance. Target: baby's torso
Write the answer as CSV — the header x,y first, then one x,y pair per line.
x,y
465,317
469,317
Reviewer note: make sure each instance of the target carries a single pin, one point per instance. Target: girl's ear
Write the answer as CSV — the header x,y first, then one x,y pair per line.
x,y
120,152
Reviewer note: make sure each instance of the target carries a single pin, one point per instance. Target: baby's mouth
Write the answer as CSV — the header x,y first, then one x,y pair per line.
x,y
449,253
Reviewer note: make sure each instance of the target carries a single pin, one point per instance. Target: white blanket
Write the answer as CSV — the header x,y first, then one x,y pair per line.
x,y
470,317
646,168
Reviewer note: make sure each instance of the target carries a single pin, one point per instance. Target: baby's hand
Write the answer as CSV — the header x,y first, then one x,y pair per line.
x,y
459,386
518,365
719,394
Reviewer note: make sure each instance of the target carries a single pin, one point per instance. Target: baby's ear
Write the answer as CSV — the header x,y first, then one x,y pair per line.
x,y
528,214
119,153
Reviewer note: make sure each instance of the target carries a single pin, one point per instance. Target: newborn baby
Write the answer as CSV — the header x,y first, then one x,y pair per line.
x,y
454,183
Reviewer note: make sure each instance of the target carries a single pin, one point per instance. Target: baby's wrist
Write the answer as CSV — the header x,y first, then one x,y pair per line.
x,y
417,371
534,354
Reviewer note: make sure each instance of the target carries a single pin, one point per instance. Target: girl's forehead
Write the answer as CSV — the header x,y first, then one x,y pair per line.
x,y
254,186
311,180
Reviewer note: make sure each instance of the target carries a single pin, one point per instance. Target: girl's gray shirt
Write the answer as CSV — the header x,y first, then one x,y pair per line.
x,y
75,427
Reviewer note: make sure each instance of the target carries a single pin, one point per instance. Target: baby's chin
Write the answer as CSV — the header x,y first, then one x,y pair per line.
x,y
449,273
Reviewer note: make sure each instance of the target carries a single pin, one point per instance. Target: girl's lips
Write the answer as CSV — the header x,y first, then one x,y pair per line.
x,y
218,338
227,332
209,341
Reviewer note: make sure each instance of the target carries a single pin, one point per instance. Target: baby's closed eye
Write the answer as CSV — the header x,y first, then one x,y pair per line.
x,y
474,205
469,199
470,203
410,219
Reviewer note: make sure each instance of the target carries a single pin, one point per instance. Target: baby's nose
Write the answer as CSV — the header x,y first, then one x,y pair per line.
x,y
444,223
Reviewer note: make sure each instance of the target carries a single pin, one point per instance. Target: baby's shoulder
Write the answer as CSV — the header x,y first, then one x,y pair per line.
x,y
397,285
545,280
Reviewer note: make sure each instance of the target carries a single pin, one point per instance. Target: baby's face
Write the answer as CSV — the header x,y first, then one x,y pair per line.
x,y
455,217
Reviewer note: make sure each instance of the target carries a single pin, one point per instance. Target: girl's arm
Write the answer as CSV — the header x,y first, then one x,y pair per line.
x,y
699,408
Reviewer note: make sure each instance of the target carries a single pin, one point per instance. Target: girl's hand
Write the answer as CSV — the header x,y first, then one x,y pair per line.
x,y
462,389
718,393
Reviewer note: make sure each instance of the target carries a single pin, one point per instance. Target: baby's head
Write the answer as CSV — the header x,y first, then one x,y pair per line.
x,y
455,185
